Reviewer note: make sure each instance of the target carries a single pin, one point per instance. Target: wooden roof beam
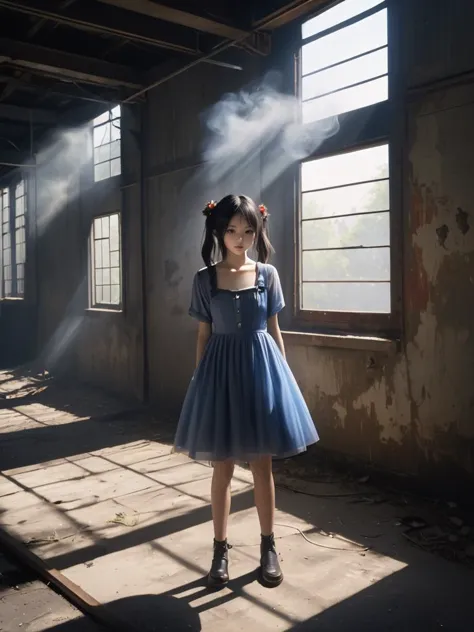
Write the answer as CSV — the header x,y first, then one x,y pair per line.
x,y
68,65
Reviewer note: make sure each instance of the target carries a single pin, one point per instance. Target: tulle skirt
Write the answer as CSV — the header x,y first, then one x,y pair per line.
x,y
243,402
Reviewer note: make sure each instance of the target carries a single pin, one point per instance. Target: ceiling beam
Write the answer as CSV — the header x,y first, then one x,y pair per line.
x,y
12,158
59,63
36,28
288,13
183,18
47,86
116,22
27,115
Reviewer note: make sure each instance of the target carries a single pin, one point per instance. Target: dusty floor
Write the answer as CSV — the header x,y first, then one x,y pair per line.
x,y
106,502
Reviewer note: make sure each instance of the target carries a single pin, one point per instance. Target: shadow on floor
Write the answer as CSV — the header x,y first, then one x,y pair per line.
x,y
399,602
403,601
412,599
150,613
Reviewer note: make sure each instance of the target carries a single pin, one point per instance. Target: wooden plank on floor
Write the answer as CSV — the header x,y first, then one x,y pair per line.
x,y
71,591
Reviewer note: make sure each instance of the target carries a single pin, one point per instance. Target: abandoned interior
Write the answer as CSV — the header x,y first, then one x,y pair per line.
x,y
109,114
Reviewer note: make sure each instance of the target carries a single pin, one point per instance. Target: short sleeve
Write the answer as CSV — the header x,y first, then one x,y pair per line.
x,y
276,300
201,298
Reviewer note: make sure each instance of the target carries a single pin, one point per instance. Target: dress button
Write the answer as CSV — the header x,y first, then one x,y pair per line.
x,y
239,325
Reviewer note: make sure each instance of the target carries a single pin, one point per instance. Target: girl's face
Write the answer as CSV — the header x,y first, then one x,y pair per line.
x,y
239,236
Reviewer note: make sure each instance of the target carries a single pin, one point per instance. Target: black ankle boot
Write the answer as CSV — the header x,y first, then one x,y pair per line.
x,y
219,573
270,570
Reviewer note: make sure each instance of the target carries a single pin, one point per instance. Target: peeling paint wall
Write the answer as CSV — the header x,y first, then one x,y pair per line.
x,y
408,411
413,411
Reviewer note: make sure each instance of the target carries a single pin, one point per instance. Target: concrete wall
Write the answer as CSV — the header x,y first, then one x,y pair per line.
x,y
18,317
101,346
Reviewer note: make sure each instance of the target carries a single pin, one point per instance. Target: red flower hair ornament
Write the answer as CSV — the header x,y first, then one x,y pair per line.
x,y
263,211
210,206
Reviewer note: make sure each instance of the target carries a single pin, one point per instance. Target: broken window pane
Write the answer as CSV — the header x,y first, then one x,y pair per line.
x,y
107,154
102,135
115,131
103,118
346,232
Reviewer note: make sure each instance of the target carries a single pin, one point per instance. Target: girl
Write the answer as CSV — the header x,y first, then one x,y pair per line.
x,y
243,403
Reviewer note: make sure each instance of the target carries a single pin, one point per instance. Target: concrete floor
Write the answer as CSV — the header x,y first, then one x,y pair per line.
x,y
109,505
29,605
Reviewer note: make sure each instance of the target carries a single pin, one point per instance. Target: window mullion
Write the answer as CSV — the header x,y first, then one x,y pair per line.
x,y
13,241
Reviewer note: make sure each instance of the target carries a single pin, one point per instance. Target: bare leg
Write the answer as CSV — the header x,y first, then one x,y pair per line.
x,y
220,497
264,491
270,571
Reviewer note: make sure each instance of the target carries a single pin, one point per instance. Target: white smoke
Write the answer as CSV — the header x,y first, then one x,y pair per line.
x,y
261,120
59,168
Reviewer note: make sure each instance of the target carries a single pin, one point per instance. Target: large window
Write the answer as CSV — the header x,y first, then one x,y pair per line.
x,y
6,244
20,237
106,262
344,259
344,62
13,207
107,138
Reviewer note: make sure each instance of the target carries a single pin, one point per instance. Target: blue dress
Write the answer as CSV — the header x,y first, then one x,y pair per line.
x,y
243,400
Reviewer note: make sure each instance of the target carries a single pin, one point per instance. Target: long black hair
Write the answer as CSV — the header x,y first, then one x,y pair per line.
x,y
218,217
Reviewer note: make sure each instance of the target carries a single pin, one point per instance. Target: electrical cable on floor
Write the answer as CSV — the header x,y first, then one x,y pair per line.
x,y
358,548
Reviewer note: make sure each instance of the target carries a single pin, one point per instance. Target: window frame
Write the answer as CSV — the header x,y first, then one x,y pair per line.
x,y
11,186
92,304
93,127
379,123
